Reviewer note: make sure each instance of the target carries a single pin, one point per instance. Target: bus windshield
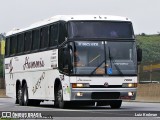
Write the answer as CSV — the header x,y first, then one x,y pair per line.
x,y
103,58
100,29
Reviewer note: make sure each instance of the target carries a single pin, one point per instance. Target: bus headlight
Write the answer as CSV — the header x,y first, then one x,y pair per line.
x,y
129,85
79,94
80,85
130,93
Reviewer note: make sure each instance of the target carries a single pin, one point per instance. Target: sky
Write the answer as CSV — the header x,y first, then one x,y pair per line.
x,y
145,14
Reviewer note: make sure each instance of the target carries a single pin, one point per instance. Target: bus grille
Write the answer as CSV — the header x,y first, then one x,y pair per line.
x,y
105,95
102,86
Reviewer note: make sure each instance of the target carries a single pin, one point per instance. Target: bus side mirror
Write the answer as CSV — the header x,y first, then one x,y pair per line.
x,y
139,55
67,60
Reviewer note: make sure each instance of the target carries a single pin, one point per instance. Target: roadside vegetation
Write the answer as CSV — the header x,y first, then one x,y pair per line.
x,y
150,45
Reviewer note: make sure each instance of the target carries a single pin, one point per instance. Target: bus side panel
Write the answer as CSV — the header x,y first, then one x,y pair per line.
x,y
66,88
10,81
10,86
42,87
38,70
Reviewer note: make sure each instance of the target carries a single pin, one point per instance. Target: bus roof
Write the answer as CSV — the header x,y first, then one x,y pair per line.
x,y
68,18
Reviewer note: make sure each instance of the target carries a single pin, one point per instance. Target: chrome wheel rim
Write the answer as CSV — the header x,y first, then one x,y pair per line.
x,y
59,95
25,96
19,94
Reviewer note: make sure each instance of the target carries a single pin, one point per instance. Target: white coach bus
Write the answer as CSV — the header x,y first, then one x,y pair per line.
x,y
73,60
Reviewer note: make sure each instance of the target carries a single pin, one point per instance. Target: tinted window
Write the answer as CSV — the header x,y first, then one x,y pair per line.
x,y
121,58
20,43
36,39
7,46
53,35
62,33
27,42
107,29
44,37
13,45
88,57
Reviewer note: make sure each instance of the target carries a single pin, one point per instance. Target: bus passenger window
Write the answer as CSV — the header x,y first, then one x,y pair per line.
x,y
53,35
27,41
62,33
35,39
13,45
20,43
44,38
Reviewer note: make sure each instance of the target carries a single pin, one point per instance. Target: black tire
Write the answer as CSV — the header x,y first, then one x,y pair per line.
x,y
25,100
83,103
35,102
18,95
16,102
56,100
116,104
59,98
102,103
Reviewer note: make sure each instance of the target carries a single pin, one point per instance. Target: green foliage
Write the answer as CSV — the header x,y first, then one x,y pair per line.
x,y
150,45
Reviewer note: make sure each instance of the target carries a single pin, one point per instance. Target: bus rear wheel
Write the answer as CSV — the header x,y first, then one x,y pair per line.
x,y
19,96
25,100
116,104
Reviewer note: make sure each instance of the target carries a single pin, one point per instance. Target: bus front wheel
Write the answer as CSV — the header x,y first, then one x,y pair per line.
x,y
115,104
59,98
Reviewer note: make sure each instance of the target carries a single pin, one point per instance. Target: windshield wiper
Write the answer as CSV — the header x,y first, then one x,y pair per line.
x,y
97,67
111,59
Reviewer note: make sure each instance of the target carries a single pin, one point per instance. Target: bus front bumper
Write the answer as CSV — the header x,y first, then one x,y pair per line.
x,y
102,94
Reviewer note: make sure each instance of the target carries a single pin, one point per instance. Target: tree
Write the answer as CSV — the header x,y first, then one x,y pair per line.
x,y
143,34
2,38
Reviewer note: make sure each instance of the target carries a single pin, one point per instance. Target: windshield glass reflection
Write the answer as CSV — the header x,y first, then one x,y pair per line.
x,y
100,29
121,58
87,56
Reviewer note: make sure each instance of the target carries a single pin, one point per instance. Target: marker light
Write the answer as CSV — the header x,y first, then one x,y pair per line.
x,y
79,94
129,85
80,85
130,93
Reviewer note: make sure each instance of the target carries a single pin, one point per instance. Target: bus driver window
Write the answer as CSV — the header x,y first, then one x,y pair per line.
x,y
77,60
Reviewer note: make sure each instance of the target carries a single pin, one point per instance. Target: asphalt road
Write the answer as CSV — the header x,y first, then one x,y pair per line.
x,y
128,109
